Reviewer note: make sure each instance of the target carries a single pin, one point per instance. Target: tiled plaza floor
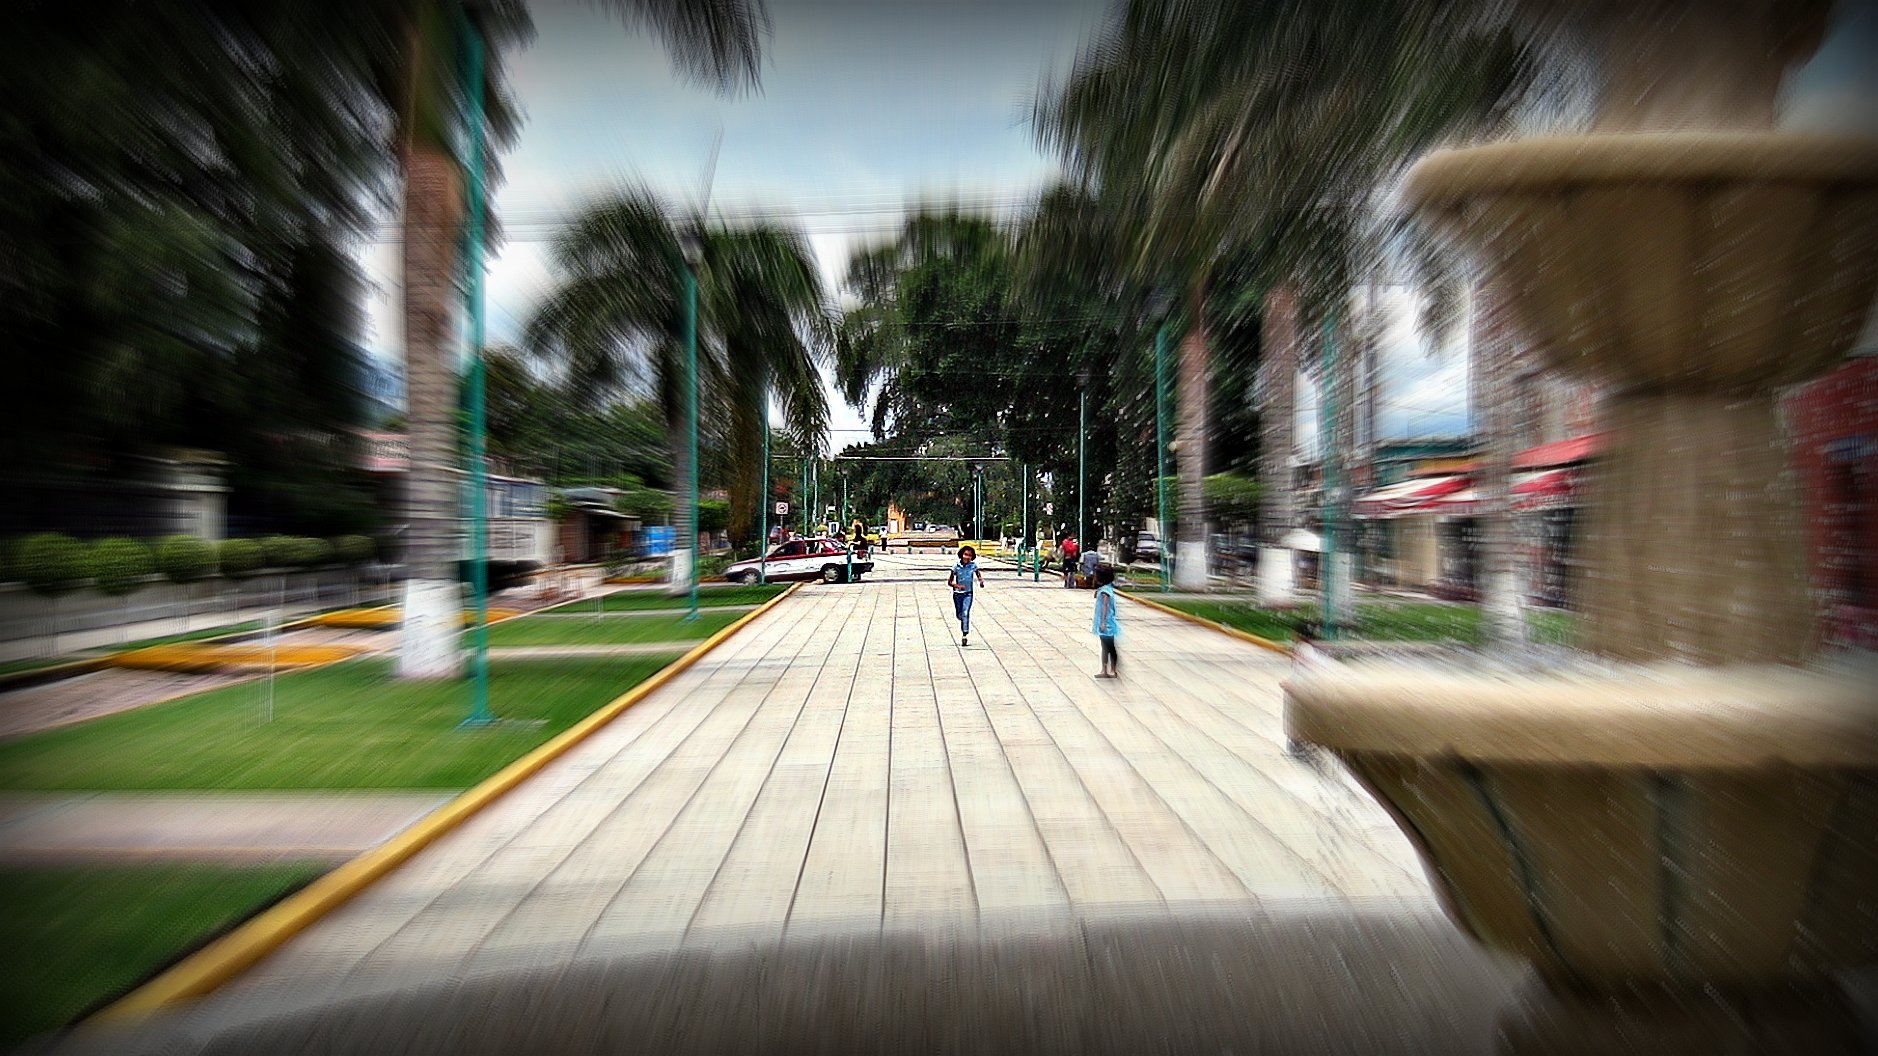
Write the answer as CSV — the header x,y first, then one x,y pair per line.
x,y
842,775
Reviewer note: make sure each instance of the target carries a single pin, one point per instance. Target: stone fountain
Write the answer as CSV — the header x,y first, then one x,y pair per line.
x,y
1679,833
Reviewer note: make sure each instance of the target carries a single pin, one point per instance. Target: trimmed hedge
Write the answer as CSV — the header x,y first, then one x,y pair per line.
x,y
52,564
240,557
354,549
185,558
120,566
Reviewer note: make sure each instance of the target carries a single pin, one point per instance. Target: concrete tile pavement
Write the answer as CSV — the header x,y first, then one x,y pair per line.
x,y
842,775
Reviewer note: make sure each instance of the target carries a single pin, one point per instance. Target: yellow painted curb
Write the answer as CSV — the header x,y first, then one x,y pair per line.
x,y
233,953
197,656
1263,643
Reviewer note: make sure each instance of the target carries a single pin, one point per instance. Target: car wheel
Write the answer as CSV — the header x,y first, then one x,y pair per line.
x,y
749,579
831,573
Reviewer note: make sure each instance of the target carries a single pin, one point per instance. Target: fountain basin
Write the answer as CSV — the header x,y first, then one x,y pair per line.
x,y
1707,262
1627,825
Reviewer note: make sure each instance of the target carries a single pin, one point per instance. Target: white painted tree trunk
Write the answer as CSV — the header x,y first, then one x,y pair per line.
x,y
432,597
1278,394
1190,552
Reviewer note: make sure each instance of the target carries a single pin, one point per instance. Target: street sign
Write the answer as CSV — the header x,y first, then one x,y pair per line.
x,y
782,509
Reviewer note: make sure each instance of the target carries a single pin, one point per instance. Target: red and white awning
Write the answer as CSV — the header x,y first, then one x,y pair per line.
x,y
1409,496
1458,495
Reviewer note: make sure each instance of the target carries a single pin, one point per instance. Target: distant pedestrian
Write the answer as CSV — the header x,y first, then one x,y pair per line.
x,y
1091,560
961,580
1069,551
1108,622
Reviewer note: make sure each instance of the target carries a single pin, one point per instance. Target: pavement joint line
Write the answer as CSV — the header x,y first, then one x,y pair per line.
x,y
1245,636
222,960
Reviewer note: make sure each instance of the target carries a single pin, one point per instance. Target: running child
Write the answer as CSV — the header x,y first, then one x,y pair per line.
x,y
960,579
1108,623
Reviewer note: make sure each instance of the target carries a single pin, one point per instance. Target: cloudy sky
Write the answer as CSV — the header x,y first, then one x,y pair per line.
x,y
867,106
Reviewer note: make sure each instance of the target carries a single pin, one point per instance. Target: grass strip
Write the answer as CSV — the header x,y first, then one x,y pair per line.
x,y
349,726
647,600
1377,621
79,936
673,628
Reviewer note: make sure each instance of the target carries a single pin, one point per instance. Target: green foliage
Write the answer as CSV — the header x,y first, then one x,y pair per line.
x,y
10,559
314,553
650,505
713,515
354,549
120,566
558,508
240,558
1232,498
280,551
52,564
295,551
185,558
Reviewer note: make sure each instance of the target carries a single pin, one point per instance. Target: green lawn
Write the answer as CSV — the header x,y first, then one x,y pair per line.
x,y
78,937
33,663
538,630
349,726
1381,621
644,600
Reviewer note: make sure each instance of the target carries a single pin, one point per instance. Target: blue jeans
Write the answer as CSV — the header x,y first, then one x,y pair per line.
x,y
962,605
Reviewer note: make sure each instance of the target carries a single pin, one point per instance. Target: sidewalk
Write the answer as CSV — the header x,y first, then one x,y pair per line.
x,y
842,786
221,826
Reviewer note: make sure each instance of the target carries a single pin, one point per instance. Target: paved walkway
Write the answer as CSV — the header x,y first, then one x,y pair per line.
x,y
928,838
221,826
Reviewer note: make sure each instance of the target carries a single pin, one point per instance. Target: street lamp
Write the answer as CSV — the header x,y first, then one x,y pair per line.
x,y
1082,450
480,714
693,245
1158,305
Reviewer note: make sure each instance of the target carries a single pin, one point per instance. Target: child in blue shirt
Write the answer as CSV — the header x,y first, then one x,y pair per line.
x,y
1108,623
961,581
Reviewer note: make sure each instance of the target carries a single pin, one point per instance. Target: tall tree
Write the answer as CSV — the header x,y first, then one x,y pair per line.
x,y
616,319
715,40
1263,126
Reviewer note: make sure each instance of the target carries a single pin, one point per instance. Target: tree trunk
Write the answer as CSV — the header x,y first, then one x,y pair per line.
x,y
1278,394
1491,377
1190,571
432,599
1338,560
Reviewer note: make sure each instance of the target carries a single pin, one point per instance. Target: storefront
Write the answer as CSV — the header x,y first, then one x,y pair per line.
x,y
1424,532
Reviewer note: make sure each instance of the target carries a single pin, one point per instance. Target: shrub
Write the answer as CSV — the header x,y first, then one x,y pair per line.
x,y
354,549
279,551
9,559
240,557
713,515
51,563
185,558
119,566
312,553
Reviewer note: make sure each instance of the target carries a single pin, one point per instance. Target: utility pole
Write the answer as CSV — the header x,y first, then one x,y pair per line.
x,y
1160,454
1332,481
762,539
693,253
479,473
1082,450
1024,501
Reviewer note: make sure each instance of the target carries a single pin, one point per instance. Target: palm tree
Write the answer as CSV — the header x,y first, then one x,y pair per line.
x,y
714,40
1263,128
763,328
